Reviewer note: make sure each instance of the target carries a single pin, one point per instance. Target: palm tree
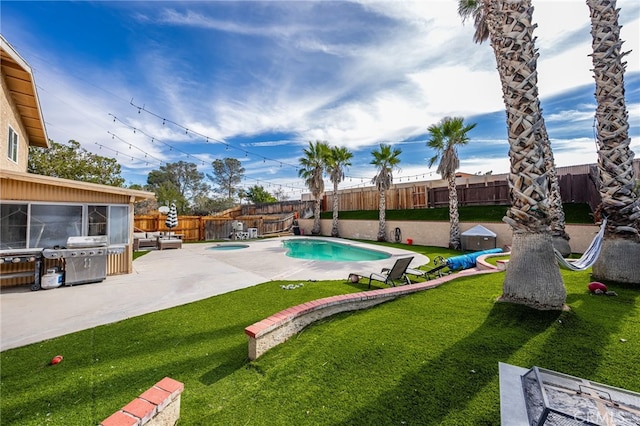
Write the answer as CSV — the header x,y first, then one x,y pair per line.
x,y
386,160
446,136
312,171
337,161
533,277
487,27
618,260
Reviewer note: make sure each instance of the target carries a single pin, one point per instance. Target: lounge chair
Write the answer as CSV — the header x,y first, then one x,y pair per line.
x,y
438,270
397,273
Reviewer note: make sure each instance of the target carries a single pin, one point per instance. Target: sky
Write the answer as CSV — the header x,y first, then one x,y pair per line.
x,y
157,82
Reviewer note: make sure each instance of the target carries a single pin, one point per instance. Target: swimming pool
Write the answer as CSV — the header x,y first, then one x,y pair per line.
x,y
316,249
226,247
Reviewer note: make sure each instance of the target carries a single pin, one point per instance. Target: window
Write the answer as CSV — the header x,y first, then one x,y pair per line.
x,y
13,226
13,145
97,220
39,225
118,224
52,224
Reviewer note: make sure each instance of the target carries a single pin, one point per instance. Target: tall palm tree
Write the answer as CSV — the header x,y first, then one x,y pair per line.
x,y
337,161
618,260
486,23
533,277
386,160
446,136
312,171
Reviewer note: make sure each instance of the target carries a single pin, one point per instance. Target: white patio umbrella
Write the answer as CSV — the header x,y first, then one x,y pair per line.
x,y
172,217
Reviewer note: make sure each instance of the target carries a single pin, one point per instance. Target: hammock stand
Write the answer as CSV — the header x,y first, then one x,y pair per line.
x,y
588,258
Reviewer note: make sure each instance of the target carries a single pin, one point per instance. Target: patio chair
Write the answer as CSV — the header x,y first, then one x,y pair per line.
x,y
397,273
438,270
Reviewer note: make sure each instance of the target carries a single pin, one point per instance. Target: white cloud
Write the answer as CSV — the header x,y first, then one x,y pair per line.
x,y
357,80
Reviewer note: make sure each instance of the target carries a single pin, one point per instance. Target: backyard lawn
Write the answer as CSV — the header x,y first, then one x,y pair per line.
x,y
430,358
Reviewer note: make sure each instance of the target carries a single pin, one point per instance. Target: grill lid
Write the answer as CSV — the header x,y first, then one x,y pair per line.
x,y
87,241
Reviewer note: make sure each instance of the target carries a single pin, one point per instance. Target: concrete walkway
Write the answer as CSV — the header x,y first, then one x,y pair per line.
x,y
163,279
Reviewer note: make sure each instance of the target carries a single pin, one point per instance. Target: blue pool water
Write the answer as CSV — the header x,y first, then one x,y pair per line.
x,y
225,247
313,249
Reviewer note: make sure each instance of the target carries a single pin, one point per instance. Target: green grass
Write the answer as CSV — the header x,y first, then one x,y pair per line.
x,y
139,253
574,213
429,358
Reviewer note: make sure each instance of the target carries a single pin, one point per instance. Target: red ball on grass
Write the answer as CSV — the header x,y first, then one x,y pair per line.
x,y
56,360
597,286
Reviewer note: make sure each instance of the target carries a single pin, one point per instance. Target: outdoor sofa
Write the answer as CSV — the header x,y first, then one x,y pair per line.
x,y
145,240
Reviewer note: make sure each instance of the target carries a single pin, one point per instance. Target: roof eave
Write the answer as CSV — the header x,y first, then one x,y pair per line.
x,y
137,195
34,124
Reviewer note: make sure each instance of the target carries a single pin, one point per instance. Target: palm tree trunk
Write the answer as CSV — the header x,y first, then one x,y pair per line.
x,y
556,211
334,228
618,260
454,216
534,278
532,275
382,224
559,234
315,230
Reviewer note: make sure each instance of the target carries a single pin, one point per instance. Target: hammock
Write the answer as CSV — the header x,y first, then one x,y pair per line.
x,y
588,257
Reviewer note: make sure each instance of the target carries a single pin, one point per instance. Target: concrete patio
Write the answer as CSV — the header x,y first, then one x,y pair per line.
x,y
163,279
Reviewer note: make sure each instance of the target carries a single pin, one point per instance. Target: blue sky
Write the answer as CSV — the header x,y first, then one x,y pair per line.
x,y
152,82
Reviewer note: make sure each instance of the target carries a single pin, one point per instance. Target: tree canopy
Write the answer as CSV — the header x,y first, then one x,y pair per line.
x,y
257,194
179,182
73,162
445,137
227,175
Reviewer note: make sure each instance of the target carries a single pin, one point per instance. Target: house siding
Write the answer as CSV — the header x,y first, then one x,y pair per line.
x,y
34,191
9,118
27,188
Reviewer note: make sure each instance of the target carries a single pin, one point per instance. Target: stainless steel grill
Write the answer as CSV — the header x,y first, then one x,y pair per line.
x,y
33,256
85,259
554,398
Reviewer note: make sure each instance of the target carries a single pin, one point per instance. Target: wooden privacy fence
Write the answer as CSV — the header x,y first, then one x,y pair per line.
x,y
477,190
203,228
577,185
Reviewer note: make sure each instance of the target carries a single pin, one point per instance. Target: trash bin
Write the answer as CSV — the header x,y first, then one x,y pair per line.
x,y
409,241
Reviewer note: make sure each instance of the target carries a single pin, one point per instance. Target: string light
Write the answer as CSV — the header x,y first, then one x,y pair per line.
x,y
114,136
209,139
132,157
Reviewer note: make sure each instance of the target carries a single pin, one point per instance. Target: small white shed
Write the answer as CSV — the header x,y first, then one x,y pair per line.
x,y
478,238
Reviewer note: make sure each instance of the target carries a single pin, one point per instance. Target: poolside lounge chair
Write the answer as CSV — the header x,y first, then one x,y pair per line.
x,y
440,262
397,273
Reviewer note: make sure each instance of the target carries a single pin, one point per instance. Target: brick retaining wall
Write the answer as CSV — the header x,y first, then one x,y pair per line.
x,y
157,406
279,327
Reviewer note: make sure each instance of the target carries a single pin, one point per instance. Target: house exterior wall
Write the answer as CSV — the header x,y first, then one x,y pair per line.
x,y
35,191
20,110
9,116
38,189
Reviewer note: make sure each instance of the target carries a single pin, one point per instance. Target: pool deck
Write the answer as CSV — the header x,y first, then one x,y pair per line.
x,y
167,278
